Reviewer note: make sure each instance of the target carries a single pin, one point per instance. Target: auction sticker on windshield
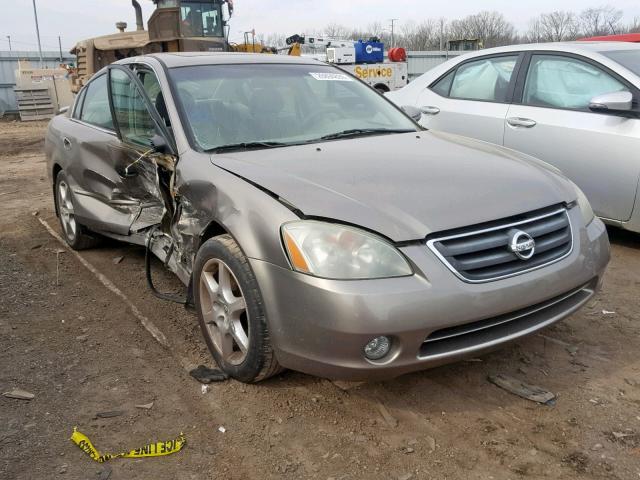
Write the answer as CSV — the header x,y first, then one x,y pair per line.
x,y
334,77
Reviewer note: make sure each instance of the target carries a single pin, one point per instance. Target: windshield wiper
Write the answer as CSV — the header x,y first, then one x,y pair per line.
x,y
360,132
247,146
355,132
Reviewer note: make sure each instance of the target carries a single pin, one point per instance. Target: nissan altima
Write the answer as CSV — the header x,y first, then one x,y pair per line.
x,y
314,224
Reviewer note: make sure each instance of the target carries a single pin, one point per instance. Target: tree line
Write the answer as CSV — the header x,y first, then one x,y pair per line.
x,y
490,27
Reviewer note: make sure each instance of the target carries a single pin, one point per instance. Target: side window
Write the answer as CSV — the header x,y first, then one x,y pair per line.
x,y
443,86
200,19
134,121
77,106
485,79
95,108
564,82
152,88
211,22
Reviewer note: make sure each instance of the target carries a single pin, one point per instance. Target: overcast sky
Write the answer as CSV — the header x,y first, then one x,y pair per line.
x,y
74,20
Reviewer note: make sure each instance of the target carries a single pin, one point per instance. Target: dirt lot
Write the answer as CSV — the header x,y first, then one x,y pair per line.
x,y
80,350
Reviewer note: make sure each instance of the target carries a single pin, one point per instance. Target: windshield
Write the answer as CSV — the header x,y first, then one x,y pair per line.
x,y
630,59
201,19
280,104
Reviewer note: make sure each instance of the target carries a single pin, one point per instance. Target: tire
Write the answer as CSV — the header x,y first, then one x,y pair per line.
x,y
231,312
75,234
382,89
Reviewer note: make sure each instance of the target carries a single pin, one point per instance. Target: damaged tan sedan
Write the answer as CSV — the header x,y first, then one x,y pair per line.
x,y
314,224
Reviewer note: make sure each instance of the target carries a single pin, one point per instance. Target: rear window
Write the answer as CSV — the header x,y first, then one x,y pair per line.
x,y
629,59
443,86
484,79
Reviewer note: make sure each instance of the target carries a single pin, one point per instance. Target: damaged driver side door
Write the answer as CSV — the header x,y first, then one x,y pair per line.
x,y
145,157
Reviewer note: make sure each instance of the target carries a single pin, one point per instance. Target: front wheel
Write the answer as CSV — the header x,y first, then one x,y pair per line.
x,y
231,311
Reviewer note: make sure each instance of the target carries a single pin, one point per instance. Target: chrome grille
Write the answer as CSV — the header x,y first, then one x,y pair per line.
x,y
490,252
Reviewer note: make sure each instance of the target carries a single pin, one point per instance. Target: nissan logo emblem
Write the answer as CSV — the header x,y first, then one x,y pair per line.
x,y
521,244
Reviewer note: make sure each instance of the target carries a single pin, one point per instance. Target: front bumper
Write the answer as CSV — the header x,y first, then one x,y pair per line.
x,y
320,326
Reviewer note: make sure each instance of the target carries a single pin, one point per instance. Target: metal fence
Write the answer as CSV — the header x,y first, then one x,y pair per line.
x,y
8,66
418,63
421,62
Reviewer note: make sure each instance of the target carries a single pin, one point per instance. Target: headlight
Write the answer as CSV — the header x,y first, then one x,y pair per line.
x,y
336,251
585,206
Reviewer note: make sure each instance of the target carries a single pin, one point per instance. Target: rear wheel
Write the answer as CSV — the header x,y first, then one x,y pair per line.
x,y
74,234
231,311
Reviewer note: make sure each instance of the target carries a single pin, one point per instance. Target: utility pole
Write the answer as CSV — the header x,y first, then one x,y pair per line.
x,y
35,15
60,47
9,38
393,37
441,34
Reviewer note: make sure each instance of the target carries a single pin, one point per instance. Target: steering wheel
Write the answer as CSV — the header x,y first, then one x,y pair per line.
x,y
317,115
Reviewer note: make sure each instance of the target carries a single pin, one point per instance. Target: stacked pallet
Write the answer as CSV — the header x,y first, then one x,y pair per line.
x,y
34,103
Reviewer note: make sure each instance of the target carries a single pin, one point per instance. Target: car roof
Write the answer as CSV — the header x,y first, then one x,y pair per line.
x,y
572,47
185,59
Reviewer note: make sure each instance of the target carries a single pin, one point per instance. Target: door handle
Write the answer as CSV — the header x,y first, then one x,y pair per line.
x,y
66,143
521,122
429,110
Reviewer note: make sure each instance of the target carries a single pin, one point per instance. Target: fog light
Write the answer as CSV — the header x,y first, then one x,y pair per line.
x,y
377,348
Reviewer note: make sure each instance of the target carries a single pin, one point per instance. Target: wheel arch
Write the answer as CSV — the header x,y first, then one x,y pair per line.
x,y
214,201
213,229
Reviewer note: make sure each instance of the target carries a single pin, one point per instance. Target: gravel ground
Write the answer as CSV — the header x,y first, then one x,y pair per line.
x,y
79,349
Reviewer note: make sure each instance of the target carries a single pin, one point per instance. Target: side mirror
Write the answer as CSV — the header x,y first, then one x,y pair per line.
x,y
612,102
63,110
413,112
159,144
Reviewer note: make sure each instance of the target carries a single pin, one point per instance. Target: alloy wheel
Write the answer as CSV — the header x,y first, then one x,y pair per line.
x,y
66,211
224,310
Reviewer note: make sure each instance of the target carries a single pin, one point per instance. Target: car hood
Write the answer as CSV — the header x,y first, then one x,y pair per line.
x,y
403,186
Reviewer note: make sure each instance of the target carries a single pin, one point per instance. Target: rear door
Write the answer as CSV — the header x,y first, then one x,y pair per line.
x,y
472,99
550,119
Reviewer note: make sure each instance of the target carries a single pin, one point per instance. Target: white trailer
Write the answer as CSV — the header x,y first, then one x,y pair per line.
x,y
384,77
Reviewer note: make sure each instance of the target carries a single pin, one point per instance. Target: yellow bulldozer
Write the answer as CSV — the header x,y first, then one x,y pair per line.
x,y
174,26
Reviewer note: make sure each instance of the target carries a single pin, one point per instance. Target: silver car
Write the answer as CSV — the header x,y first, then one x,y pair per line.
x,y
314,225
573,105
